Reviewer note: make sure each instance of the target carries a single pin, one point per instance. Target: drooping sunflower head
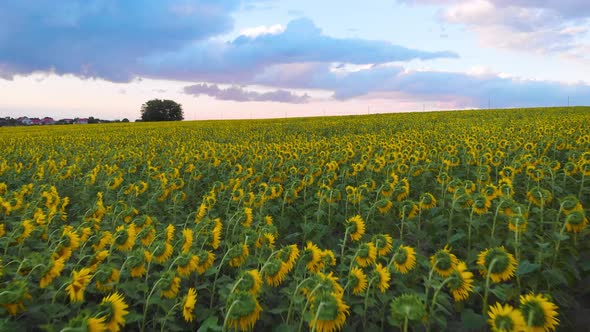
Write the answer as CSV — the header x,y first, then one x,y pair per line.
x,y
461,282
539,196
502,263
517,222
539,313
312,256
407,306
358,281
116,308
384,205
238,255
187,235
443,262
188,306
427,201
383,243
245,311
576,221
366,254
330,312
404,259
206,260
356,227
251,282
382,276
504,318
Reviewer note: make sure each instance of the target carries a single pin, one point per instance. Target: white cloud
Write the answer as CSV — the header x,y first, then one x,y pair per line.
x,y
262,30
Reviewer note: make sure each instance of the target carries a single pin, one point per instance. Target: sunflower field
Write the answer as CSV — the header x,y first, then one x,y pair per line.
x,y
465,220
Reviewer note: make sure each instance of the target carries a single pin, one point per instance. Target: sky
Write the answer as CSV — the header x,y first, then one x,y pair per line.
x,y
240,59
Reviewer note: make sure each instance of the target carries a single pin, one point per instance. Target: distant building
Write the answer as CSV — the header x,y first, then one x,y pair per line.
x,y
24,121
47,121
81,121
35,121
66,121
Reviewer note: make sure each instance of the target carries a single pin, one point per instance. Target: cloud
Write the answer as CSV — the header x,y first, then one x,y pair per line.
x,y
466,90
102,38
541,26
235,93
301,41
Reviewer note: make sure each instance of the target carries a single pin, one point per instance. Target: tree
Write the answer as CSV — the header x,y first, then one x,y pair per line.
x,y
161,110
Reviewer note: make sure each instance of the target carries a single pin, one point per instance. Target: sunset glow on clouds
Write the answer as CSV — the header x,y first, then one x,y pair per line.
x,y
241,59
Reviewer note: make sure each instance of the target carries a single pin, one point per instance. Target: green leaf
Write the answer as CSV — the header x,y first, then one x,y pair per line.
x,y
209,324
526,267
471,320
456,237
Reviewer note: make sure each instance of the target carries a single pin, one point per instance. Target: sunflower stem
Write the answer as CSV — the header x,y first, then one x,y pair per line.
x,y
487,289
224,327
367,302
317,314
147,303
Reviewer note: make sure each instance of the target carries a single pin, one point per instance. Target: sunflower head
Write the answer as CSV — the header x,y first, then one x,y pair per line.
x,y
382,276
383,243
407,306
505,318
539,313
502,264
576,221
443,262
404,259
356,227
460,282
358,281
366,254
329,312
243,311
251,282
116,308
189,305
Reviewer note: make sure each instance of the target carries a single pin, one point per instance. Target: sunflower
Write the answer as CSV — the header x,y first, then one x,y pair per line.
x,y
27,228
187,264
96,324
116,308
505,319
249,217
382,276
356,227
275,272
170,232
366,254
384,205
460,282
404,259
76,288
427,201
539,196
383,243
240,254
163,252
125,237
206,260
244,311
576,221
267,239
53,271
289,255
187,234
539,313
504,264
443,262
171,286
106,277
312,256
216,233
358,280
481,204
189,305
517,222
407,306
329,312
490,191
251,282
